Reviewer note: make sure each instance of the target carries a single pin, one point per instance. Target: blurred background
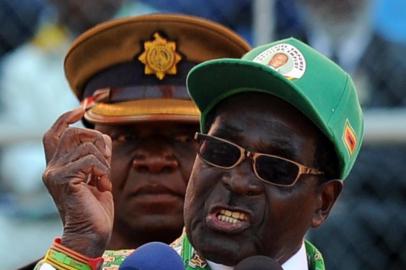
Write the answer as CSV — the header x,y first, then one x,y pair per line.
x,y
367,229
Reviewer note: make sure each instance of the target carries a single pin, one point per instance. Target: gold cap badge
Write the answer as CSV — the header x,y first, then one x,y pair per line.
x,y
159,57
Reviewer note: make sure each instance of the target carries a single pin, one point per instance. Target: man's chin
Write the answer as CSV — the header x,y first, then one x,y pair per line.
x,y
132,234
154,204
220,255
223,250
156,223
135,214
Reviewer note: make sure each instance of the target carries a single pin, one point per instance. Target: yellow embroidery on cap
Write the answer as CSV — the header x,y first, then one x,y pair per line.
x,y
160,57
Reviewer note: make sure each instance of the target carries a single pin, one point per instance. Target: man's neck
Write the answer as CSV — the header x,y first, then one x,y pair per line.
x,y
296,262
123,241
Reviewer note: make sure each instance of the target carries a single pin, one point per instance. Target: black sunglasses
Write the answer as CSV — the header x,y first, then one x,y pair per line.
x,y
270,169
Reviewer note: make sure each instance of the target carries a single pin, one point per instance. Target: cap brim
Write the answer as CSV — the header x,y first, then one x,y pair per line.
x,y
211,82
121,41
144,110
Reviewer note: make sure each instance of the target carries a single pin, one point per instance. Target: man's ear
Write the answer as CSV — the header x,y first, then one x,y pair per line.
x,y
327,194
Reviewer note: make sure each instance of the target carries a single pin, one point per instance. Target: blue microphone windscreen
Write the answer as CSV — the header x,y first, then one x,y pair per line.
x,y
153,256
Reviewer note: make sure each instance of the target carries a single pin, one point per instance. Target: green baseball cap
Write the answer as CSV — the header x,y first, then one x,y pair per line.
x,y
296,73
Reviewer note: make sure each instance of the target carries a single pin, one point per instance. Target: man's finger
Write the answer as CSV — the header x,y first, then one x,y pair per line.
x,y
78,171
65,120
109,147
74,137
103,183
79,152
51,137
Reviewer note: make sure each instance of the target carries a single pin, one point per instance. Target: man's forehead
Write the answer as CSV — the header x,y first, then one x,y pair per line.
x,y
263,120
255,104
161,127
264,130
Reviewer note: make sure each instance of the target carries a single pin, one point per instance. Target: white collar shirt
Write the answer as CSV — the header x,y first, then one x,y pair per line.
x,y
297,262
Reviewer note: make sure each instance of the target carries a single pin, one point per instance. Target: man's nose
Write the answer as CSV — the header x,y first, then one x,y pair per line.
x,y
242,180
154,161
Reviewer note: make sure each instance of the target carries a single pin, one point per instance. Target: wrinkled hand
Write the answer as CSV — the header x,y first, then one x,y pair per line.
x,y
78,178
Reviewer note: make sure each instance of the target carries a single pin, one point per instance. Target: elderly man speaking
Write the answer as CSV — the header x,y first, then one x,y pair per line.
x,y
274,149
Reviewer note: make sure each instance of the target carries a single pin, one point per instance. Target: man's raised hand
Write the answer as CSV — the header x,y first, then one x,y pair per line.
x,y
78,178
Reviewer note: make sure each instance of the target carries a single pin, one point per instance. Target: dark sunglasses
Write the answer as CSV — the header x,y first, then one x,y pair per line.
x,y
270,169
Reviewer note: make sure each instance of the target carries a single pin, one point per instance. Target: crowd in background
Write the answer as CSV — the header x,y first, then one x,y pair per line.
x,y
366,37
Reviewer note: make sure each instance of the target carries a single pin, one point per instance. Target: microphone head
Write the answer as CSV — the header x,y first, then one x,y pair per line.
x,y
258,263
153,256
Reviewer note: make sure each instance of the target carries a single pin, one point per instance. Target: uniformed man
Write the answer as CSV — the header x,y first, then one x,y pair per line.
x,y
274,148
130,76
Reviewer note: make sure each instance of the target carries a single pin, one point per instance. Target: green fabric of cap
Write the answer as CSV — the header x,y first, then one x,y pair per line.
x,y
296,73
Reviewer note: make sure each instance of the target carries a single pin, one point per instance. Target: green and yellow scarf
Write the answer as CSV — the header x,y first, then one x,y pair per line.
x,y
192,260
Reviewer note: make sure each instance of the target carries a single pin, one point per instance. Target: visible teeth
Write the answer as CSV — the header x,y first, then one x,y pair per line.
x,y
227,219
231,216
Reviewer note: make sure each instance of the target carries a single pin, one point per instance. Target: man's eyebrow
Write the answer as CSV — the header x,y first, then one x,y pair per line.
x,y
279,146
229,129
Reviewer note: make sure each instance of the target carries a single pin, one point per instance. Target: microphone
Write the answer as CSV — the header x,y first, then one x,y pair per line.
x,y
153,256
258,263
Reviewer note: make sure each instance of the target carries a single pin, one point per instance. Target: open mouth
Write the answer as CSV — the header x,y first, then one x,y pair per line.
x,y
228,220
231,216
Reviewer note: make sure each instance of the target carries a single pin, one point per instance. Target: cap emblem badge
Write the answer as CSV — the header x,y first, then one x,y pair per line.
x,y
160,57
285,59
349,137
